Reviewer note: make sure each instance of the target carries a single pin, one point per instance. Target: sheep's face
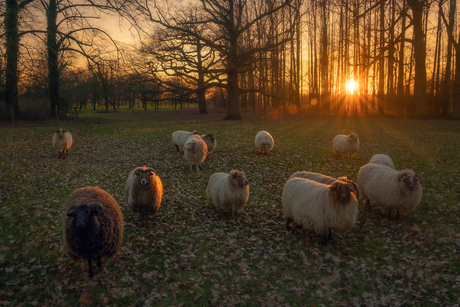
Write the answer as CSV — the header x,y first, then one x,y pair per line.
x,y
210,137
190,146
144,175
84,215
410,180
61,133
342,190
353,136
265,147
194,132
240,177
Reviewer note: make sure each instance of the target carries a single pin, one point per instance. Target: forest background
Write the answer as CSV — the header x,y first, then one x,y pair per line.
x,y
336,57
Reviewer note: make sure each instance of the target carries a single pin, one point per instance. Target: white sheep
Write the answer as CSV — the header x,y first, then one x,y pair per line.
x,y
228,192
325,179
211,142
143,191
62,141
319,207
391,189
264,141
346,144
180,137
195,150
383,160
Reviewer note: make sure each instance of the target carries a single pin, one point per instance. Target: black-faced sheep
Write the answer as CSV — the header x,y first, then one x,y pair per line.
x,y
346,144
325,179
383,160
62,141
391,189
228,192
195,151
211,142
180,137
264,141
93,226
319,207
143,191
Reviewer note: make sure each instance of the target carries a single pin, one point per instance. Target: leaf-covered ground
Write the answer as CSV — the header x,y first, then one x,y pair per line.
x,y
189,254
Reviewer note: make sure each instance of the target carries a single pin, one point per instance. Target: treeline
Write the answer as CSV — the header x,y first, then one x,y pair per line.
x,y
280,54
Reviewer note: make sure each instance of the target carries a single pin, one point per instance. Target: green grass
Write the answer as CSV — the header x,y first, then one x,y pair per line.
x,y
190,254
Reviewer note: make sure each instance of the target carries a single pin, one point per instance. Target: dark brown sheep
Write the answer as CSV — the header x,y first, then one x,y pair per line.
x,y
93,226
143,191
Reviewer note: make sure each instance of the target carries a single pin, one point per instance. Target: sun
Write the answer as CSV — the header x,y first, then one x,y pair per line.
x,y
351,86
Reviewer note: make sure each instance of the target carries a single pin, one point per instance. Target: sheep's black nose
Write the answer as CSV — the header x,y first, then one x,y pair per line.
x,y
143,182
80,224
343,198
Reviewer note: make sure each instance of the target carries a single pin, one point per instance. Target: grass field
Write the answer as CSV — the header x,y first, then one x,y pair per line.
x,y
189,254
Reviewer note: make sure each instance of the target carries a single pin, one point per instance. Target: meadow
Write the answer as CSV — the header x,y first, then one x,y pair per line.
x,y
189,254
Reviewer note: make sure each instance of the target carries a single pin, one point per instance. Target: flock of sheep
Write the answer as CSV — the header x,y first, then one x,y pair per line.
x,y
93,226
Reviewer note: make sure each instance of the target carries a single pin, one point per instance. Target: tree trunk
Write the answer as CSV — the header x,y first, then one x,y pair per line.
x,y
53,49
201,92
12,54
400,87
420,95
381,85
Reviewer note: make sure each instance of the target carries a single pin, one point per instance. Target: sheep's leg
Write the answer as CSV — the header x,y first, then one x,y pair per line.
x,y
177,147
397,214
67,152
90,268
191,169
197,167
389,215
367,204
288,222
325,239
99,263
329,235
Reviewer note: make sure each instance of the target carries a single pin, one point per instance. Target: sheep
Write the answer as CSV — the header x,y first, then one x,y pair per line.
x,y
264,141
346,144
62,141
383,160
143,191
318,206
228,192
180,137
325,179
391,189
93,226
195,151
210,141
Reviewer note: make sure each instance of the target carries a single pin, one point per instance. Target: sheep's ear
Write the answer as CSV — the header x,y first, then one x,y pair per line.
x,y
57,131
137,172
95,208
151,171
417,177
402,177
353,188
233,173
334,185
72,209
64,131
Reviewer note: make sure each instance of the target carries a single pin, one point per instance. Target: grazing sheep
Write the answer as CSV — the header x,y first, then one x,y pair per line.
x,y
383,160
180,137
228,192
264,141
143,191
62,141
318,206
93,226
325,179
211,142
391,189
195,150
346,144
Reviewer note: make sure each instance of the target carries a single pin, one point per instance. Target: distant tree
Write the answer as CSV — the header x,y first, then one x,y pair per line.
x,y
225,24
13,36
